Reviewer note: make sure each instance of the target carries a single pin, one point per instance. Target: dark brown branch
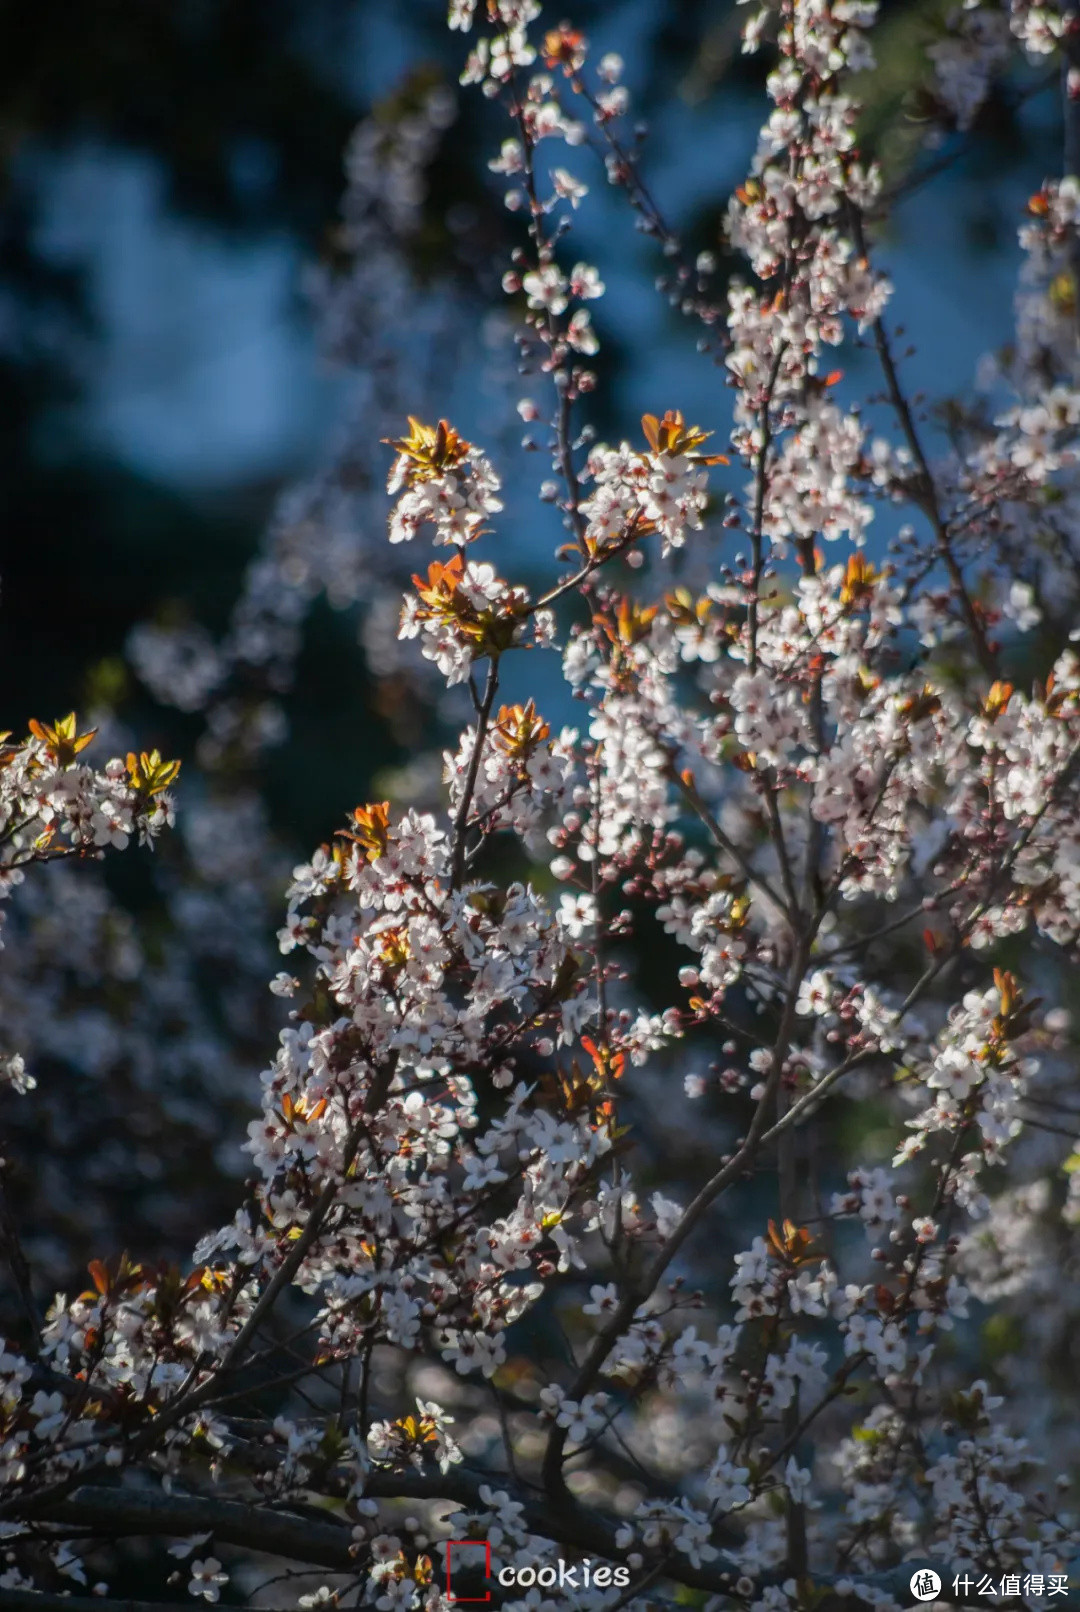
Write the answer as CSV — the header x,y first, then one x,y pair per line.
x,y
140,1512
461,822
117,1511
761,482
925,490
42,1601
637,1292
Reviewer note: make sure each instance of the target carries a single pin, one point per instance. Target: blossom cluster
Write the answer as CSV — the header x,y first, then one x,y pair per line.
x,y
800,859
54,805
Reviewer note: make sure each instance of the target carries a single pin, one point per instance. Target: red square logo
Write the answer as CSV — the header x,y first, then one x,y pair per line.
x,y
473,1546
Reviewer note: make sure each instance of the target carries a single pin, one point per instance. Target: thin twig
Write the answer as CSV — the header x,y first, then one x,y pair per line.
x,y
461,821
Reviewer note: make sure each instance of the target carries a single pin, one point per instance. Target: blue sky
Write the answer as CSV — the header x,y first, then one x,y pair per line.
x,y
208,373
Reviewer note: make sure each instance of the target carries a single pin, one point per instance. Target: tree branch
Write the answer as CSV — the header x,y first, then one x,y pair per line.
x,y
256,1527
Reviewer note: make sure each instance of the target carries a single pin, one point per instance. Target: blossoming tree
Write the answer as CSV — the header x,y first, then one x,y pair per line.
x,y
470,1294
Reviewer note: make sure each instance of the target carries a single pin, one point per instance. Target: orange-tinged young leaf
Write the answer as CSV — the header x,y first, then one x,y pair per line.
x,y
490,629
441,582
423,1571
149,774
687,609
394,951
997,699
429,449
206,1280
791,1243
518,729
608,1064
1008,989
859,578
63,739
922,705
564,47
418,1429
584,1091
370,829
338,853
630,622
129,1278
673,436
